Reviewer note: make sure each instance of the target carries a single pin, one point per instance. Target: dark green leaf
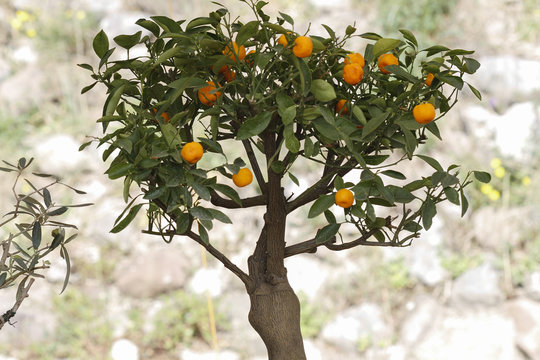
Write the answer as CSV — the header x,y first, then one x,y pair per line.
x,y
218,215
329,215
291,141
201,190
401,73
58,211
428,212
374,123
128,41
246,32
287,18
127,220
3,277
101,44
88,88
118,170
394,174
113,101
58,236
409,36
349,30
36,235
321,205
201,213
228,191
464,202
47,197
203,234
149,25
452,195
454,81
482,176
329,31
475,91
200,21
326,233
431,161
254,125
304,73
64,253
435,49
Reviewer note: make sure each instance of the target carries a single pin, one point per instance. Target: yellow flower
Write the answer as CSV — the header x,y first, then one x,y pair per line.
x,y
494,195
486,189
23,16
499,172
31,33
526,181
80,15
495,163
16,23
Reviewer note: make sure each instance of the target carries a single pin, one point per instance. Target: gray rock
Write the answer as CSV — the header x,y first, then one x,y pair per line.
x,y
526,316
422,312
124,349
479,285
497,228
306,275
59,154
484,334
532,285
153,272
15,97
350,326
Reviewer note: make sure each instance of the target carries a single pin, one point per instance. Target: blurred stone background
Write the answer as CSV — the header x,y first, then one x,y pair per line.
x,y
467,289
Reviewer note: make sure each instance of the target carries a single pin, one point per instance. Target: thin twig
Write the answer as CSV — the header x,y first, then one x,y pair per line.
x,y
11,312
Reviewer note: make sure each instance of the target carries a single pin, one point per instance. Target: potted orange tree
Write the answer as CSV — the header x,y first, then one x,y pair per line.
x,y
212,83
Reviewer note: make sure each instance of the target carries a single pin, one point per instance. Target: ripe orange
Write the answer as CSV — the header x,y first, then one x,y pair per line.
x,y
344,198
249,59
243,177
353,73
206,96
229,74
192,152
238,52
385,60
424,113
283,40
429,79
341,107
303,46
355,58
164,115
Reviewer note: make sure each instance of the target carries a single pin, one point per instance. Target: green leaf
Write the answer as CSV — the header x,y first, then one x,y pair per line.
x,y
428,212
400,194
464,202
371,36
410,142
203,234
58,236
287,18
167,24
36,235
65,255
349,30
89,87
326,233
113,101
293,178
168,54
435,49
475,91
127,220
409,36
401,73
384,45
58,211
3,277
304,73
149,25
432,162
394,174
471,65
374,123
228,191
101,44
201,190
291,141
482,176
183,222
199,212
254,126
322,90
452,195
454,81
218,215
128,41
47,197
118,170
321,205
330,31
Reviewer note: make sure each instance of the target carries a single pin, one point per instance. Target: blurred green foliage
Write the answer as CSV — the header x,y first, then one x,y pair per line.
x,y
313,316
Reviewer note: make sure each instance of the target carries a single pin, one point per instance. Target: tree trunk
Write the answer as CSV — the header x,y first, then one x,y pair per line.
x,y
275,315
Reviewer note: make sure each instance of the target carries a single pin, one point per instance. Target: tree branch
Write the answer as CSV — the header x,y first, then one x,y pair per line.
x,y
255,165
222,258
230,204
310,246
23,294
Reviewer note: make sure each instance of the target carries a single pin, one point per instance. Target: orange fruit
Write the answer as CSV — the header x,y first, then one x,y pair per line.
x,y
229,74
424,113
303,46
192,152
243,177
239,52
249,59
283,40
344,198
353,73
355,58
385,60
164,115
206,96
341,107
429,79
